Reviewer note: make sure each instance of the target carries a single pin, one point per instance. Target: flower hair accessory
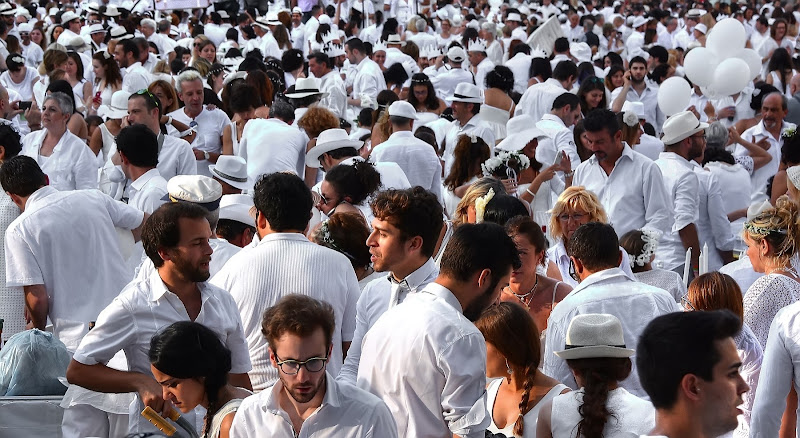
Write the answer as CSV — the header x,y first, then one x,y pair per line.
x,y
630,118
473,138
650,239
327,239
480,205
106,55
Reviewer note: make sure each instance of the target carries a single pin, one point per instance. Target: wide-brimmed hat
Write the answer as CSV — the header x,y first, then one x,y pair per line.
x,y
119,33
96,28
7,9
305,87
118,107
197,189
67,17
595,335
640,21
468,93
330,140
237,208
112,11
272,19
232,169
681,126
520,131
394,39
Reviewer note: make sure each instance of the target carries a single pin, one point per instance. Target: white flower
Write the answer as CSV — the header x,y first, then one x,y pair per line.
x,y
630,118
480,205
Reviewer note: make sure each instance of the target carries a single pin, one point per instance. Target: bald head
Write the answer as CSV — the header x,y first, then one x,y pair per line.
x,y
794,85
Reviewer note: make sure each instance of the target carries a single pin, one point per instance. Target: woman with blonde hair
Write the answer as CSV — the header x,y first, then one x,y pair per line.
x,y
575,206
771,239
465,211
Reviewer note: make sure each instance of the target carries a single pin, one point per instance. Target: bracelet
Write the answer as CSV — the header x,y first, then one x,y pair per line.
x,y
528,189
569,174
169,120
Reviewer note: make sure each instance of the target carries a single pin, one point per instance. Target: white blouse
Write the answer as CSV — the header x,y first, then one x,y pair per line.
x,y
765,297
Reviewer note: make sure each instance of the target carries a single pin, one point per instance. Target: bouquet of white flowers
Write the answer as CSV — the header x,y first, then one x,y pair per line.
x,y
506,165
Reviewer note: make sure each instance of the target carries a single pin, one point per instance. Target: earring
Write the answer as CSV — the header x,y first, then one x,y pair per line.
x,y
508,370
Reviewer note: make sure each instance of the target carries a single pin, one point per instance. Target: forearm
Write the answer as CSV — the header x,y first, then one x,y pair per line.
x,y
37,305
737,214
616,106
100,378
241,380
688,235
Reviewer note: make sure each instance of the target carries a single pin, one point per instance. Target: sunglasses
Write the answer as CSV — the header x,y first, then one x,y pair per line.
x,y
148,94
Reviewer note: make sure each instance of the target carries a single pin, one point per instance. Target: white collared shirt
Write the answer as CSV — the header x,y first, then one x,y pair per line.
x,y
558,255
520,66
633,195
377,297
538,99
448,78
210,124
136,78
481,70
147,191
368,79
428,363
609,291
683,188
336,100
758,180
66,241
71,166
559,138
264,156
416,157
649,98
476,125
176,158
713,227
140,311
345,412
281,264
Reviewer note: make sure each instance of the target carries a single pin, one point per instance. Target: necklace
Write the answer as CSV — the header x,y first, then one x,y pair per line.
x,y
531,293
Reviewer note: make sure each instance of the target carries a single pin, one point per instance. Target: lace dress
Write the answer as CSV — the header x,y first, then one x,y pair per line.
x,y
12,300
670,281
764,299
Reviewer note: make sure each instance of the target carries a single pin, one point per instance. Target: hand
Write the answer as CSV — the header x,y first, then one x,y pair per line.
x,y
33,115
763,144
198,154
14,110
151,395
693,109
565,164
709,110
627,78
510,185
733,133
728,111
547,174
124,123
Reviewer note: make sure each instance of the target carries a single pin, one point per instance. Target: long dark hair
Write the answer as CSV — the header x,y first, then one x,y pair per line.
x,y
63,86
597,374
110,66
591,83
781,62
512,331
421,79
189,350
468,157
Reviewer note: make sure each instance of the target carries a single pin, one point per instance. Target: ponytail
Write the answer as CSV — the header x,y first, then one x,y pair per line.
x,y
597,374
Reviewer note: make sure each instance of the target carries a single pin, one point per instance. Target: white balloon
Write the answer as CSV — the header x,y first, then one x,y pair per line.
x,y
699,65
753,60
673,95
731,76
710,93
726,38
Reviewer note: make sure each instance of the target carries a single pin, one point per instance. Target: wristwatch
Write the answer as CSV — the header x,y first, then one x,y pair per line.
x,y
206,155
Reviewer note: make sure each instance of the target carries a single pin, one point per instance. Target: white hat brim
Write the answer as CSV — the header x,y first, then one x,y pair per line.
x,y
237,214
464,99
595,351
312,156
306,94
683,136
241,185
114,113
517,142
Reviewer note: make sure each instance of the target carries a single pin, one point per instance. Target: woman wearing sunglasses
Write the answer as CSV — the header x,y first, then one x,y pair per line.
x,y
191,365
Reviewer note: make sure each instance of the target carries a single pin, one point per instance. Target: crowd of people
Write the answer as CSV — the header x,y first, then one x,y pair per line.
x,y
401,219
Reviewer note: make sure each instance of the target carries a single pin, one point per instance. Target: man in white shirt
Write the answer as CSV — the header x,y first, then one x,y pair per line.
x,y
538,98
405,232
761,33
558,127
466,104
235,223
263,154
321,66
684,140
136,78
695,384
448,77
480,64
307,400
514,22
636,40
264,40
298,30
393,53
368,79
257,278
175,238
71,23
572,29
638,88
628,184
603,288
417,158
138,152
520,66
439,390
209,124
494,49
31,51
166,47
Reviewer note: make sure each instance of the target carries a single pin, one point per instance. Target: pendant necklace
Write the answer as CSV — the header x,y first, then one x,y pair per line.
x,y
528,295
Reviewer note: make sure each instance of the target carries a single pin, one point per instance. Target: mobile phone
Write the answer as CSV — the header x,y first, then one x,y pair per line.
x,y
24,105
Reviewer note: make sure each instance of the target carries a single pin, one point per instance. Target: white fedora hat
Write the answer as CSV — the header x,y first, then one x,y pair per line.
x,y
514,17
232,170
394,39
640,21
401,108
305,87
634,107
69,16
237,208
466,92
594,335
681,126
112,11
197,189
329,140
520,131
118,107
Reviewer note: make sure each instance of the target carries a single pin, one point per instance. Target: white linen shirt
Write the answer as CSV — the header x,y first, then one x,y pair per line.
x,y
281,264
538,98
336,100
67,242
427,361
483,68
147,191
377,297
210,125
649,98
140,311
71,166
759,177
448,78
713,227
136,78
520,66
559,138
683,188
633,195
264,155
368,79
345,412
476,125
175,157
609,291
416,157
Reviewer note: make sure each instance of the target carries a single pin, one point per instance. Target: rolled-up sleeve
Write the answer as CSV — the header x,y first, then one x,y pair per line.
x,y
687,201
464,394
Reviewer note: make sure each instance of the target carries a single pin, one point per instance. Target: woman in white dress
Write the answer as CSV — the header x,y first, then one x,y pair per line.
x,y
243,104
771,239
107,80
513,353
640,245
498,106
778,38
80,86
466,169
191,364
423,97
715,291
780,71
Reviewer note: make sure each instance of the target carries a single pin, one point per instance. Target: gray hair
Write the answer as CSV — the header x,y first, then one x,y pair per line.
x,y
148,22
716,135
187,76
282,110
63,101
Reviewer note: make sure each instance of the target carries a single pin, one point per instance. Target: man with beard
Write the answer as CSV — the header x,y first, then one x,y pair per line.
x,y
637,88
771,128
299,331
603,288
684,140
633,195
424,357
404,234
175,239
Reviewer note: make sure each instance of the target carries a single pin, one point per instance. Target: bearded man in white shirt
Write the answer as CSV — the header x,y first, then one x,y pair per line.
x,y
175,239
406,229
638,88
439,390
257,278
136,77
628,184
299,331
603,288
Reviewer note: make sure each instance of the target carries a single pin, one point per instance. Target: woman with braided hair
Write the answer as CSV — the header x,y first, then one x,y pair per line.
x,y
192,366
513,353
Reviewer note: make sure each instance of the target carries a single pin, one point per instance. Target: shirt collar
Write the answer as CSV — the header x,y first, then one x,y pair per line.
x,y
158,289
672,156
416,278
332,395
444,293
398,134
144,178
283,236
39,195
614,273
554,118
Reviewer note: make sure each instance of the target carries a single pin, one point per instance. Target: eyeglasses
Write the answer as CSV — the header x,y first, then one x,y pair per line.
x,y
322,199
292,367
577,217
687,304
151,96
572,272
